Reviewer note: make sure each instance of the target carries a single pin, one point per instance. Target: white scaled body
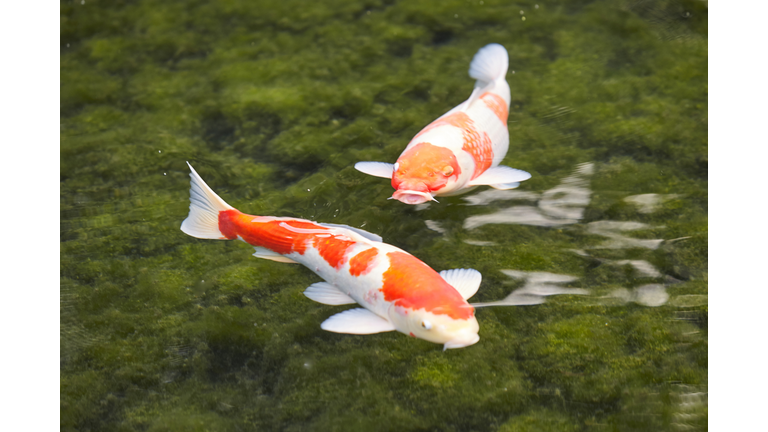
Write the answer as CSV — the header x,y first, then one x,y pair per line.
x,y
463,148
396,291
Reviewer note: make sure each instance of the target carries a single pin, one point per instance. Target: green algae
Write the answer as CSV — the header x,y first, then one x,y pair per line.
x,y
273,102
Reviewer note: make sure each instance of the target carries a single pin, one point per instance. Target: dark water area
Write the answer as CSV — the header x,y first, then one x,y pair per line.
x,y
273,103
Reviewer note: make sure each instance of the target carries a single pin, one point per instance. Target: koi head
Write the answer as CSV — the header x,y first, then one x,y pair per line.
x,y
437,328
442,329
421,171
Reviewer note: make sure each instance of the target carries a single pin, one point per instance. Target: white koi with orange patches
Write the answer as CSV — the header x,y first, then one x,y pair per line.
x,y
463,148
396,290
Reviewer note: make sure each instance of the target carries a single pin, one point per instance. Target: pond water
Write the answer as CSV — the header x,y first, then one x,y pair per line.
x,y
600,258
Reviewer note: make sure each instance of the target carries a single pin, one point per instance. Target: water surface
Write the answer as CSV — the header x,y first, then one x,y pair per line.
x,y
603,252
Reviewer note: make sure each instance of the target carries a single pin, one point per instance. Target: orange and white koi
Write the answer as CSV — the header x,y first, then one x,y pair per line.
x,y
396,290
463,148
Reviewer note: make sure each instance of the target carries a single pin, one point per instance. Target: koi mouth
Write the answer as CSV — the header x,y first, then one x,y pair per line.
x,y
463,340
412,196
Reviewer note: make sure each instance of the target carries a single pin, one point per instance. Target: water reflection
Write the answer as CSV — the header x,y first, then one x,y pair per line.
x,y
537,286
648,203
651,295
435,226
689,407
642,267
480,243
690,300
490,195
561,205
565,205
613,229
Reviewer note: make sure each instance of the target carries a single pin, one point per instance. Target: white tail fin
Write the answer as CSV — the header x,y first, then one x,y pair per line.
x,y
489,64
204,208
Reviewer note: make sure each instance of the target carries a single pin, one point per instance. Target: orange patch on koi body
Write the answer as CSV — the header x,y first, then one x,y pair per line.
x,y
361,264
458,119
497,105
229,223
334,250
409,283
270,234
286,236
477,144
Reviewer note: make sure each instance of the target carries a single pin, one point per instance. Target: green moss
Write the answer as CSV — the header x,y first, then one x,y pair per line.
x,y
542,420
273,103
81,399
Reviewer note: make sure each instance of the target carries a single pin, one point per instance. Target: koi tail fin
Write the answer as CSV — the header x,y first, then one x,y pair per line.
x,y
489,64
489,68
204,208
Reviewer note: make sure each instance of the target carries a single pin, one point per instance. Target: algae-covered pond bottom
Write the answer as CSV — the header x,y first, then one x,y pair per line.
x,y
273,103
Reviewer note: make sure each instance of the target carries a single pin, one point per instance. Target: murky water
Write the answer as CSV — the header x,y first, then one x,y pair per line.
x,y
594,270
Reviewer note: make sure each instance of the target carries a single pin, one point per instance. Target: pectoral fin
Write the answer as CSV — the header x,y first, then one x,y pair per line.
x,y
500,176
325,293
376,169
505,186
466,281
357,321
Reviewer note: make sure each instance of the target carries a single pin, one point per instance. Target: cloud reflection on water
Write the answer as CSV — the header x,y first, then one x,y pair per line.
x,y
565,205
490,195
612,229
651,295
561,205
648,203
642,267
537,286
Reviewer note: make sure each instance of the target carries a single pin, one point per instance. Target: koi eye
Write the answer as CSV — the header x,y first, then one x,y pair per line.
x,y
448,170
426,324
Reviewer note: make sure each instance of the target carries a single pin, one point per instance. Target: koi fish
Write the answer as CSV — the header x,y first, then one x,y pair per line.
x,y
463,148
396,290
